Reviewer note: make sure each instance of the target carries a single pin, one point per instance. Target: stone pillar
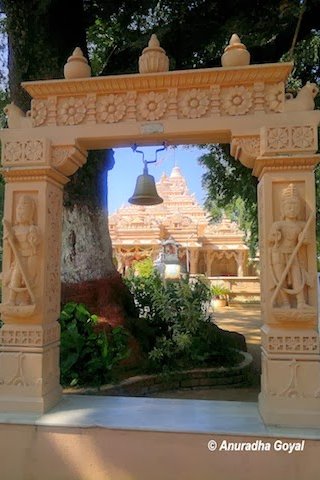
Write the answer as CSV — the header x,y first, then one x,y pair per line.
x,y
194,255
29,338
119,259
290,391
240,260
208,259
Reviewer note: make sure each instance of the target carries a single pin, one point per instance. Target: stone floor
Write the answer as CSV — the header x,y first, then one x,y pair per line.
x,y
246,320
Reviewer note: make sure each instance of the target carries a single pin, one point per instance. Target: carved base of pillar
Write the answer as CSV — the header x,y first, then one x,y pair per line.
x,y
290,412
290,385
29,367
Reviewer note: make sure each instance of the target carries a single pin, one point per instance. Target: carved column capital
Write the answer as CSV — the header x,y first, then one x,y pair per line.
x,y
246,148
284,163
68,158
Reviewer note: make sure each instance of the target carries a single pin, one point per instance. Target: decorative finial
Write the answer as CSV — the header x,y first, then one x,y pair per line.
x,y
77,66
235,54
153,58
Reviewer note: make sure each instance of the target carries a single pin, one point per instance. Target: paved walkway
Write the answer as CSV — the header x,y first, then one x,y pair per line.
x,y
247,321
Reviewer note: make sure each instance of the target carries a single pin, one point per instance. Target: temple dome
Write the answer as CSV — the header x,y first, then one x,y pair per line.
x,y
176,172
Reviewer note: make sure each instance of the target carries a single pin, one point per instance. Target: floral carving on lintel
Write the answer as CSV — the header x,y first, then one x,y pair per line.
x,y
278,138
236,100
194,104
33,150
302,137
152,106
13,152
275,97
39,112
72,111
110,108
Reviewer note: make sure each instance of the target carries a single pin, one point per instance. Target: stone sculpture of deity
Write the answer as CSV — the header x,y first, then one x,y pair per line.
x,y
286,239
23,238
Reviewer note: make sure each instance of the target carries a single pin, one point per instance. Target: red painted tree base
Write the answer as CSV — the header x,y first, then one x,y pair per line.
x,y
107,297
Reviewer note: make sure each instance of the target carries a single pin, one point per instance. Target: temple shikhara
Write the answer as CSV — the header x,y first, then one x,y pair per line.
x,y
210,249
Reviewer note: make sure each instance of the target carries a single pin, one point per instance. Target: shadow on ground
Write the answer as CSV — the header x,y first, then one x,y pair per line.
x,y
247,321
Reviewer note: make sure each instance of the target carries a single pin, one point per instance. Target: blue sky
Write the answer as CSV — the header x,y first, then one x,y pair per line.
x,y
128,165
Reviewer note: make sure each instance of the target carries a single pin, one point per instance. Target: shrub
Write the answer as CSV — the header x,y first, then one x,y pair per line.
x,y
143,268
86,355
220,291
174,327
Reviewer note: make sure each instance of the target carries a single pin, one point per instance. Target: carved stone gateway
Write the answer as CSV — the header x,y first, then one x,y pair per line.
x,y
239,103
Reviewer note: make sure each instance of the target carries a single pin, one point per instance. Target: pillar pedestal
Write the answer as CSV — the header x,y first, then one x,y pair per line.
x,y
30,336
29,367
290,381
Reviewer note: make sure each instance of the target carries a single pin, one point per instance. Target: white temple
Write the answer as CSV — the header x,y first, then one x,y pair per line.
x,y
211,249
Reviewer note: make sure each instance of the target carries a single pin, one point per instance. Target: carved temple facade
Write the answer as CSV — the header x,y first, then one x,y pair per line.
x,y
211,249
237,103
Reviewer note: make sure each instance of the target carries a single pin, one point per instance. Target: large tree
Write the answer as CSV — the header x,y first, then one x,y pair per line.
x,y
41,36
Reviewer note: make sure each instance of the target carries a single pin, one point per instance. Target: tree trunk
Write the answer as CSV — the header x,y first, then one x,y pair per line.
x,y
88,273
41,36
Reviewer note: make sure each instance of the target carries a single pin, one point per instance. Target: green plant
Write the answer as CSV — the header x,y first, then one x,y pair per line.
x,y
174,328
87,355
220,291
143,268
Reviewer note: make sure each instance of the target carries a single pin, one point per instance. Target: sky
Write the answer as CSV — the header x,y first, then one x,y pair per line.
x,y
128,165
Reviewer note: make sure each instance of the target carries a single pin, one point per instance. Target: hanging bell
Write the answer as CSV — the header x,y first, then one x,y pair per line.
x,y
145,192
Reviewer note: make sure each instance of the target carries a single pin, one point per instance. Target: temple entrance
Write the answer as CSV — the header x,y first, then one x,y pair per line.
x,y
243,105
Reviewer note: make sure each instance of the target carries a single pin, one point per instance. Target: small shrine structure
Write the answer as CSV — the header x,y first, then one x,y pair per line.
x,y
211,249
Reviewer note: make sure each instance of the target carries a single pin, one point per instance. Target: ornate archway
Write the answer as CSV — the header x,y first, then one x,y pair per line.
x,y
244,105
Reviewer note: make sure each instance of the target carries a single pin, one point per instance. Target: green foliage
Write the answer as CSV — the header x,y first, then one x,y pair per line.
x,y
174,327
143,268
88,356
231,187
220,291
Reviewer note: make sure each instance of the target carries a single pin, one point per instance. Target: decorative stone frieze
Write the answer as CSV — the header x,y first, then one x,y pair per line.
x,y
287,139
12,335
277,341
274,97
39,112
194,103
236,100
152,105
25,152
71,111
150,97
54,232
110,108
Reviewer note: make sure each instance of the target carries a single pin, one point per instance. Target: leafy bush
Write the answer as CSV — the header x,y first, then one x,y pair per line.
x,y
143,268
88,356
220,291
174,328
